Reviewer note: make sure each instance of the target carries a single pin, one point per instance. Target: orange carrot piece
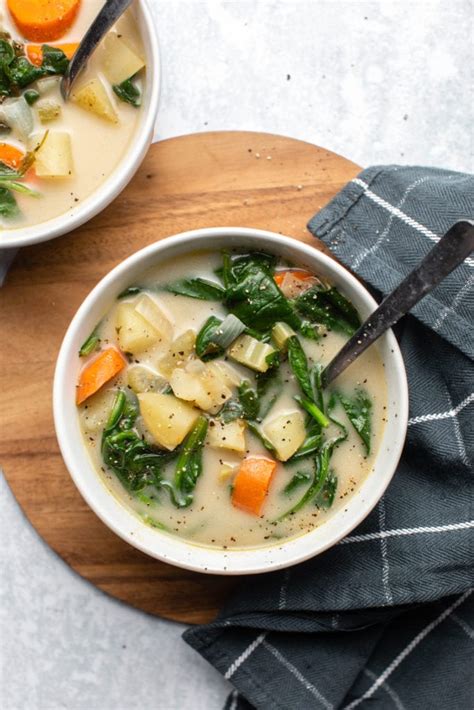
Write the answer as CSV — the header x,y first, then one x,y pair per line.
x,y
34,52
251,484
43,20
11,155
102,368
299,274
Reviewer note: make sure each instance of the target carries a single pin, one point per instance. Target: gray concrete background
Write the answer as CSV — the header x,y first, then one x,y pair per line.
x,y
379,82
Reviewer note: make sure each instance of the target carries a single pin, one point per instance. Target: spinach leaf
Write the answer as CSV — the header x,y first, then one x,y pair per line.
x,y
328,307
197,288
189,464
254,297
328,493
54,60
299,365
8,205
7,53
248,400
128,92
255,429
319,477
136,463
313,410
310,446
297,480
231,411
235,267
21,72
206,347
359,413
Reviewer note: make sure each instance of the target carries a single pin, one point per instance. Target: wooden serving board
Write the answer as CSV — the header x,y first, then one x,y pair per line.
x,y
202,180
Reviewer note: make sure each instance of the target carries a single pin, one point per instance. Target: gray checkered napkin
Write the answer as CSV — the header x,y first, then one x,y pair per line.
x,y
385,618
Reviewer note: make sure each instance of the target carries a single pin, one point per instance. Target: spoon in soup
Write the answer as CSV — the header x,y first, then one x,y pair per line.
x,y
108,16
451,250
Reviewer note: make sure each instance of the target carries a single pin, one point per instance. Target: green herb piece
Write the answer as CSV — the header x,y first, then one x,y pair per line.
x,y
313,410
298,480
91,343
359,413
152,522
197,288
299,365
189,464
7,53
131,291
21,72
8,205
128,92
231,411
31,96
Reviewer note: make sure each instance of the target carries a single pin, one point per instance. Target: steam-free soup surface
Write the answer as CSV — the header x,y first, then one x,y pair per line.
x,y
98,136
228,504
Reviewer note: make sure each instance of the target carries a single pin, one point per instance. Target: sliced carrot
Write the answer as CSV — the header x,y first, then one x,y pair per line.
x,y
11,155
251,484
34,52
299,274
43,20
102,368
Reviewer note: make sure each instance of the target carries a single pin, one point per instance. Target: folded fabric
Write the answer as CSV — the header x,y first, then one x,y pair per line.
x,y
385,618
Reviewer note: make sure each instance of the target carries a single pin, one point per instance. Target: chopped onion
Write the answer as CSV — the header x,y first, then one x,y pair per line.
x,y
19,116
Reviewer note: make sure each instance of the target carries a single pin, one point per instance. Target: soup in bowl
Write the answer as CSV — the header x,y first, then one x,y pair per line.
x,y
189,407
61,162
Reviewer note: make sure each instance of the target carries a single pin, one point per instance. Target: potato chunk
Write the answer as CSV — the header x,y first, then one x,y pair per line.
x,y
286,432
198,384
135,334
121,61
228,436
154,314
54,157
143,379
167,419
93,97
178,353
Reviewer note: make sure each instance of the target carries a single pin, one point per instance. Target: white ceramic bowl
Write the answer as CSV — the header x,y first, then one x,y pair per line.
x,y
176,550
130,162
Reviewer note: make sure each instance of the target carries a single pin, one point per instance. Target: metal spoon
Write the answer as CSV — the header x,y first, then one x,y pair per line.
x,y
107,17
449,252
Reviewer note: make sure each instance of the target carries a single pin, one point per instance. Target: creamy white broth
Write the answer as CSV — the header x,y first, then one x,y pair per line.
x,y
212,520
98,146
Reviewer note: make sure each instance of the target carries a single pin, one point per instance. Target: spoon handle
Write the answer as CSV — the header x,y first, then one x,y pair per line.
x,y
107,17
449,252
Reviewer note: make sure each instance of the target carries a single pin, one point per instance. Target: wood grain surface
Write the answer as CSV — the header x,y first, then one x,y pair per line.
x,y
202,180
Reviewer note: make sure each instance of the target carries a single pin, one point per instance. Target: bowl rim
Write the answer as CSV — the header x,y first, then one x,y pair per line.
x,y
179,551
124,170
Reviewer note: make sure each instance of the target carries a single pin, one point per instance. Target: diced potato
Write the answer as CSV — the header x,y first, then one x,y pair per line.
x,y
179,352
95,411
286,432
227,373
121,62
154,314
167,419
143,379
251,353
48,110
227,436
54,157
93,97
216,391
188,386
135,334
226,472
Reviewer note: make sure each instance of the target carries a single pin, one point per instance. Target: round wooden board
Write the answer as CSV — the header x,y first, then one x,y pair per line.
x,y
202,180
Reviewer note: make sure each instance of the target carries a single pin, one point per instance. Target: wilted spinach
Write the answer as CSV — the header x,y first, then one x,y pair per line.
x,y
197,288
128,92
359,413
189,464
328,307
